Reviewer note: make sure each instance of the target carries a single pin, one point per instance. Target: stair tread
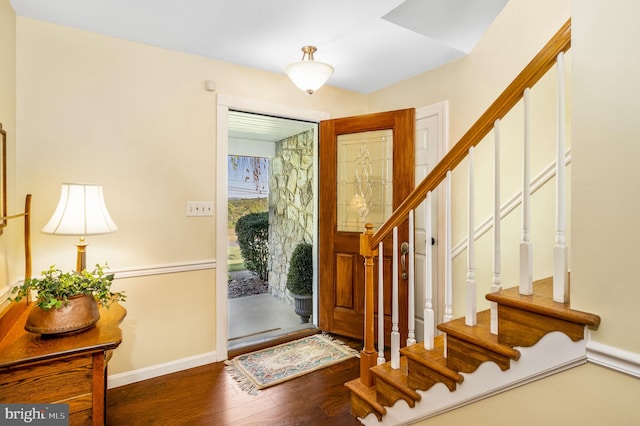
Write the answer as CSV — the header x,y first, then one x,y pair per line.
x,y
396,377
396,373
479,335
541,302
367,394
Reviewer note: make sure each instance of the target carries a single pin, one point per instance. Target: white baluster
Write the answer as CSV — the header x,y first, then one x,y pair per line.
x,y
526,248
496,283
560,253
429,315
380,359
470,311
395,329
448,277
411,332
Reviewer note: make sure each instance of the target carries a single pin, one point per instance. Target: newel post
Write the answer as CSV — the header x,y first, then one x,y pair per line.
x,y
368,355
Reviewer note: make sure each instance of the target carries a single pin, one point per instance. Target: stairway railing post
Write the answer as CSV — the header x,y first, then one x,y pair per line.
x,y
381,359
368,355
411,338
497,247
471,317
526,247
560,251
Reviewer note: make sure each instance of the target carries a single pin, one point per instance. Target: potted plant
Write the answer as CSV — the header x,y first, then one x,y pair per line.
x,y
67,301
300,280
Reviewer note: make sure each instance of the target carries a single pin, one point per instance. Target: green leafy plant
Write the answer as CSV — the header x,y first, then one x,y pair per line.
x,y
300,275
253,239
54,287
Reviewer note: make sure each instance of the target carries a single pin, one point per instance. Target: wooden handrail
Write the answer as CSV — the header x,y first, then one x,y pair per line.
x,y
538,67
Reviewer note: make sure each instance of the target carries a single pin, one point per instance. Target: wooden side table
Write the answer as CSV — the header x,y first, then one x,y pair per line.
x,y
65,370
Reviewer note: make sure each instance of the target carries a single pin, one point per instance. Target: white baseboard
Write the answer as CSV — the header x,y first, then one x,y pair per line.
x,y
614,358
117,380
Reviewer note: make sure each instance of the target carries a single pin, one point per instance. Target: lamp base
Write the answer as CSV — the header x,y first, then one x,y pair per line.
x,y
81,256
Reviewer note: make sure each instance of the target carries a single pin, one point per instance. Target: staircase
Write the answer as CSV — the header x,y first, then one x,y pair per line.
x,y
529,332
537,337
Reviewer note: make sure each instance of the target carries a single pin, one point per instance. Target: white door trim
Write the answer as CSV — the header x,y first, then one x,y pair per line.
x,y
224,103
441,110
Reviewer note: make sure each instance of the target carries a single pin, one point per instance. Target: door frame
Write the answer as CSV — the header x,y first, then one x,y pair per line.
x,y
441,110
224,104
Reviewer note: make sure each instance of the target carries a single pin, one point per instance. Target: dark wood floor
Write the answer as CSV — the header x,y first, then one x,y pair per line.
x,y
209,396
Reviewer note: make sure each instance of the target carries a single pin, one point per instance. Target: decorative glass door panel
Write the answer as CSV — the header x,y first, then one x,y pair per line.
x,y
364,179
366,170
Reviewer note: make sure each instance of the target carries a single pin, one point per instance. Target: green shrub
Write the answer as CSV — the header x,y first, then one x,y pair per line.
x,y
300,275
253,239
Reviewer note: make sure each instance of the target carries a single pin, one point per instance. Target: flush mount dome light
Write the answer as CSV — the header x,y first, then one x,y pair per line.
x,y
308,74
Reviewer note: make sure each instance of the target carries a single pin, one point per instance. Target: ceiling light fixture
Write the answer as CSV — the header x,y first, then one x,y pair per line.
x,y
308,74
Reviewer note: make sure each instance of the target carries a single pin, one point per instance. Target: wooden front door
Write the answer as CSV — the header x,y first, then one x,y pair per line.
x,y
366,171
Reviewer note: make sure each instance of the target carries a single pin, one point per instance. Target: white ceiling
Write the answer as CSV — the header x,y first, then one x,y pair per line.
x,y
370,43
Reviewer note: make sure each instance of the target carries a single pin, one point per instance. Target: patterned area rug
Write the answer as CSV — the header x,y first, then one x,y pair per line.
x,y
268,367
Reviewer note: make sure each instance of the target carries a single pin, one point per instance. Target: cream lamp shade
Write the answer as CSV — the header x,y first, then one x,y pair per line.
x,y
81,211
309,75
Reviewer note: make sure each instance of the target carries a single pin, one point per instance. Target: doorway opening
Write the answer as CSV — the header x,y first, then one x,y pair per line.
x,y
271,190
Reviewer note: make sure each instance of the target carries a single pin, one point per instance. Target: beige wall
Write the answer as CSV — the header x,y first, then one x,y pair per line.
x,y
605,200
10,267
470,85
606,175
137,120
586,395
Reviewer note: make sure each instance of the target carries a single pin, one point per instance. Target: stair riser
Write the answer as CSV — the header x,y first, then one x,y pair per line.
x,y
388,395
466,357
422,378
521,328
361,408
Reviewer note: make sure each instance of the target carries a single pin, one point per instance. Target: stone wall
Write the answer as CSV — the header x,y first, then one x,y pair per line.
x,y
290,205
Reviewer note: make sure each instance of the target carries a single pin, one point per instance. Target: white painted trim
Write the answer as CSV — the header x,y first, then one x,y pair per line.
x,y
613,358
142,271
169,268
538,182
224,103
4,292
122,379
441,109
280,110
222,272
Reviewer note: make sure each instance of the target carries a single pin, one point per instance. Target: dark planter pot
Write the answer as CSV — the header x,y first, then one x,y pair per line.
x,y
80,313
303,307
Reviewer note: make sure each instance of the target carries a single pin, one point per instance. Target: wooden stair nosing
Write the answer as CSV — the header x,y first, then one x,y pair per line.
x,y
397,378
541,302
366,394
479,335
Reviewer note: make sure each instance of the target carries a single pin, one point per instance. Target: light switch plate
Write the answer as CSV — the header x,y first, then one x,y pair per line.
x,y
199,208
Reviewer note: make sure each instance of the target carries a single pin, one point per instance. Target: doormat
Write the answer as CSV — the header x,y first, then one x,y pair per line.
x,y
270,366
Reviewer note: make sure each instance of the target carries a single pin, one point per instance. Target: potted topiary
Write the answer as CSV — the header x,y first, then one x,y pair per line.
x,y
300,280
67,302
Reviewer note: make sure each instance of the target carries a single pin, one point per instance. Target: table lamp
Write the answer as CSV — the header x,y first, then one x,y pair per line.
x,y
81,211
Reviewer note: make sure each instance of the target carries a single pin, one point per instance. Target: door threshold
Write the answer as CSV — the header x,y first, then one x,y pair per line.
x,y
268,339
